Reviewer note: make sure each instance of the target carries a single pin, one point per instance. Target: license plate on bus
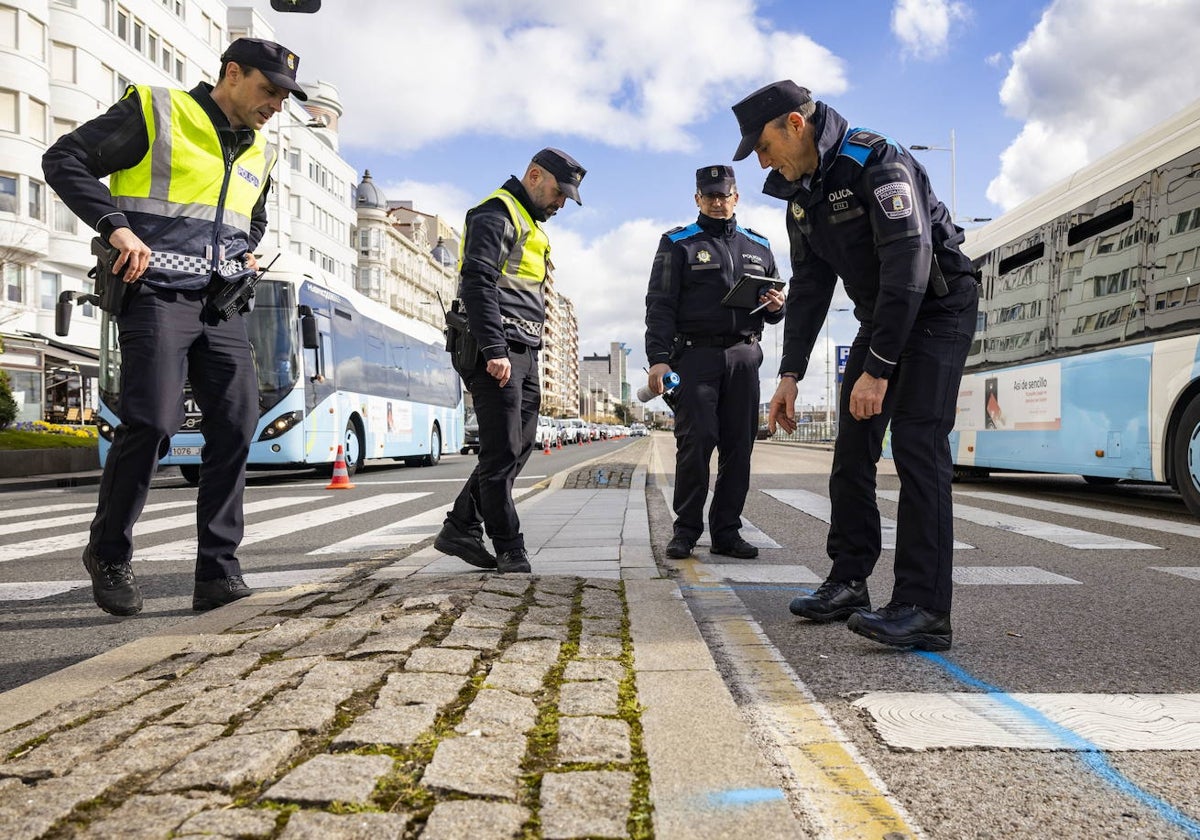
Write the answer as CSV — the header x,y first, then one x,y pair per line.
x,y
178,451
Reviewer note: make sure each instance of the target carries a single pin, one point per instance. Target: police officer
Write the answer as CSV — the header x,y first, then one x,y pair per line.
x,y
860,207
714,348
503,271
185,206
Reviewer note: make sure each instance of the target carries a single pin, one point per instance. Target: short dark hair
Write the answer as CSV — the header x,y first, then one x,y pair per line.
x,y
806,110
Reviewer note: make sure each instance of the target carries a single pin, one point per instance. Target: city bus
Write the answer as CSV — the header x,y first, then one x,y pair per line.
x,y
334,368
1087,353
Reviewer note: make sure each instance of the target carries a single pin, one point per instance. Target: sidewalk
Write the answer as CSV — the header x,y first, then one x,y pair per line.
x,y
412,697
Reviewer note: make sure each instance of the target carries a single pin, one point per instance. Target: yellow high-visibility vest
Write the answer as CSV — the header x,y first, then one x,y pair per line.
x,y
179,198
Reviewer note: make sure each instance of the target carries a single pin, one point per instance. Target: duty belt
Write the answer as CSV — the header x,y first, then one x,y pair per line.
x,y
527,327
717,340
188,264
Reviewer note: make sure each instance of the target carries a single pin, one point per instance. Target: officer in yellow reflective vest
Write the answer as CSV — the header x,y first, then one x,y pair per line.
x,y
503,270
185,207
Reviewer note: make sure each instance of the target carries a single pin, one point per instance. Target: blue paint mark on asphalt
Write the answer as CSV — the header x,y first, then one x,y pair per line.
x,y
1089,753
748,796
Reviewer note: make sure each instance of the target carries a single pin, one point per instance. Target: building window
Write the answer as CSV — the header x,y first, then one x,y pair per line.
x,y
48,290
139,35
59,127
294,159
8,27
168,58
14,276
37,120
64,220
8,110
35,44
8,193
152,47
37,200
122,24
62,62
122,86
179,69
86,309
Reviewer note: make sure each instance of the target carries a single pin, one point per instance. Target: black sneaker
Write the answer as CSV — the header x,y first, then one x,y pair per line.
x,y
738,548
679,547
464,545
834,600
906,626
210,594
113,585
513,561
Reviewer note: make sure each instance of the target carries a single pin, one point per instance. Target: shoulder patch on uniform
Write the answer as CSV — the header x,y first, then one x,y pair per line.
x,y
676,234
755,235
859,142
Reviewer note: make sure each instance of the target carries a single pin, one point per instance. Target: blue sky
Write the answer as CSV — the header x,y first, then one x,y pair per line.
x,y
444,100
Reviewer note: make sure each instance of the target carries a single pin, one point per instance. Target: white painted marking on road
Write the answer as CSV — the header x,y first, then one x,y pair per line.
x,y
405,532
42,510
1045,531
359,478
922,721
761,573
309,521
1192,572
68,542
1007,575
36,590
290,577
818,507
1165,526
750,532
38,523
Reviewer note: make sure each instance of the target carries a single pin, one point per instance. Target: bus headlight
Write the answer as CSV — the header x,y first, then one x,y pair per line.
x,y
280,425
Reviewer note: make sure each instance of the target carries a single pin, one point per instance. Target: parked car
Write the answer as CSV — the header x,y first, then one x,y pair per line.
x,y
638,430
567,432
547,430
470,434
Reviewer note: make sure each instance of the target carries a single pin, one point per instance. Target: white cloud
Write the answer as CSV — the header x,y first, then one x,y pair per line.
x,y
1090,76
923,26
629,74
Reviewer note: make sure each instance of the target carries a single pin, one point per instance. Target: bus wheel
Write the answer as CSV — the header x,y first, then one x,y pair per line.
x,y
191,474
354,448
1186,456
435,448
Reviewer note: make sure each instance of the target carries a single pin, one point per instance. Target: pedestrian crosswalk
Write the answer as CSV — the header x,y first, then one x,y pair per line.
x,y
277,518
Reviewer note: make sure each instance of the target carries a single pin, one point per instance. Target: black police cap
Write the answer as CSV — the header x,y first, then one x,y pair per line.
x,y
565,169
276,62
714,179
765,104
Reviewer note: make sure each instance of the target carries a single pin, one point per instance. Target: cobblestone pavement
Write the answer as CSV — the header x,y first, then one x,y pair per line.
x,y
607,476
440,707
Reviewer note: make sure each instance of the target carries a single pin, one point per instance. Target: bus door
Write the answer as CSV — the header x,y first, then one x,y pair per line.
x,y
320,384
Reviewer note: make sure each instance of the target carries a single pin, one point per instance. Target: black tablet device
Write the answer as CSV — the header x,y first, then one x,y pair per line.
x,y
746,292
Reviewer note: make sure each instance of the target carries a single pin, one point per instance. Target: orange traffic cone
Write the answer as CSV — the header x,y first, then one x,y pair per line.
x,y
546,445
341,478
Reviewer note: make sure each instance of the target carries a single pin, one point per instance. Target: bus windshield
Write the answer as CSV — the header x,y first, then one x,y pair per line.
x,y
274,340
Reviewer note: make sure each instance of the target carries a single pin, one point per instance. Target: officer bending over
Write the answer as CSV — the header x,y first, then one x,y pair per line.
x,y
188,174
860,207
714,348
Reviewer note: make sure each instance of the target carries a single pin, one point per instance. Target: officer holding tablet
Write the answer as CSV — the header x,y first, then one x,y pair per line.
x,y
704,321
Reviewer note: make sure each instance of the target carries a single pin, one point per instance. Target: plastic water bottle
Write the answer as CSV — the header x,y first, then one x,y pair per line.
x,y
670,383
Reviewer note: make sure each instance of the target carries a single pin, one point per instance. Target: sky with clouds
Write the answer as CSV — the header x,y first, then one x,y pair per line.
x,y
443,100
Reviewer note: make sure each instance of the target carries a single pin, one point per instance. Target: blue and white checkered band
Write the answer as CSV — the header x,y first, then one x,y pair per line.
x,y
188,264
527,327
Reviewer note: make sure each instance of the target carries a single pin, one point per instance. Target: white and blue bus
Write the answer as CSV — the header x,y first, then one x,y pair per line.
x,y
1087,355
334,368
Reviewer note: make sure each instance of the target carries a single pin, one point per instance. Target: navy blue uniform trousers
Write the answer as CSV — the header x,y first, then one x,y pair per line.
x,y
507,426
920,403
164,341
717,406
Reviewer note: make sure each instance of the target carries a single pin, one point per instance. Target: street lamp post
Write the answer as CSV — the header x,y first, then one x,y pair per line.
x,y
829,352
953,171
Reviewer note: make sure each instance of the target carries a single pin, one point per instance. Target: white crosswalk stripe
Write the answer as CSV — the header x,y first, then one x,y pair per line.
x,y
42,510
818,507
750,532
1045,531
77,540
37,523
272,528
1165,526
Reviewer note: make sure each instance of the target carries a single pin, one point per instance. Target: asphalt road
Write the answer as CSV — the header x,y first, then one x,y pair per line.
x,y
1110,629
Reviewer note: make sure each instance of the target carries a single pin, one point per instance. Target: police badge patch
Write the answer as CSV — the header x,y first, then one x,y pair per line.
x,y
895,199
703,256
797,210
